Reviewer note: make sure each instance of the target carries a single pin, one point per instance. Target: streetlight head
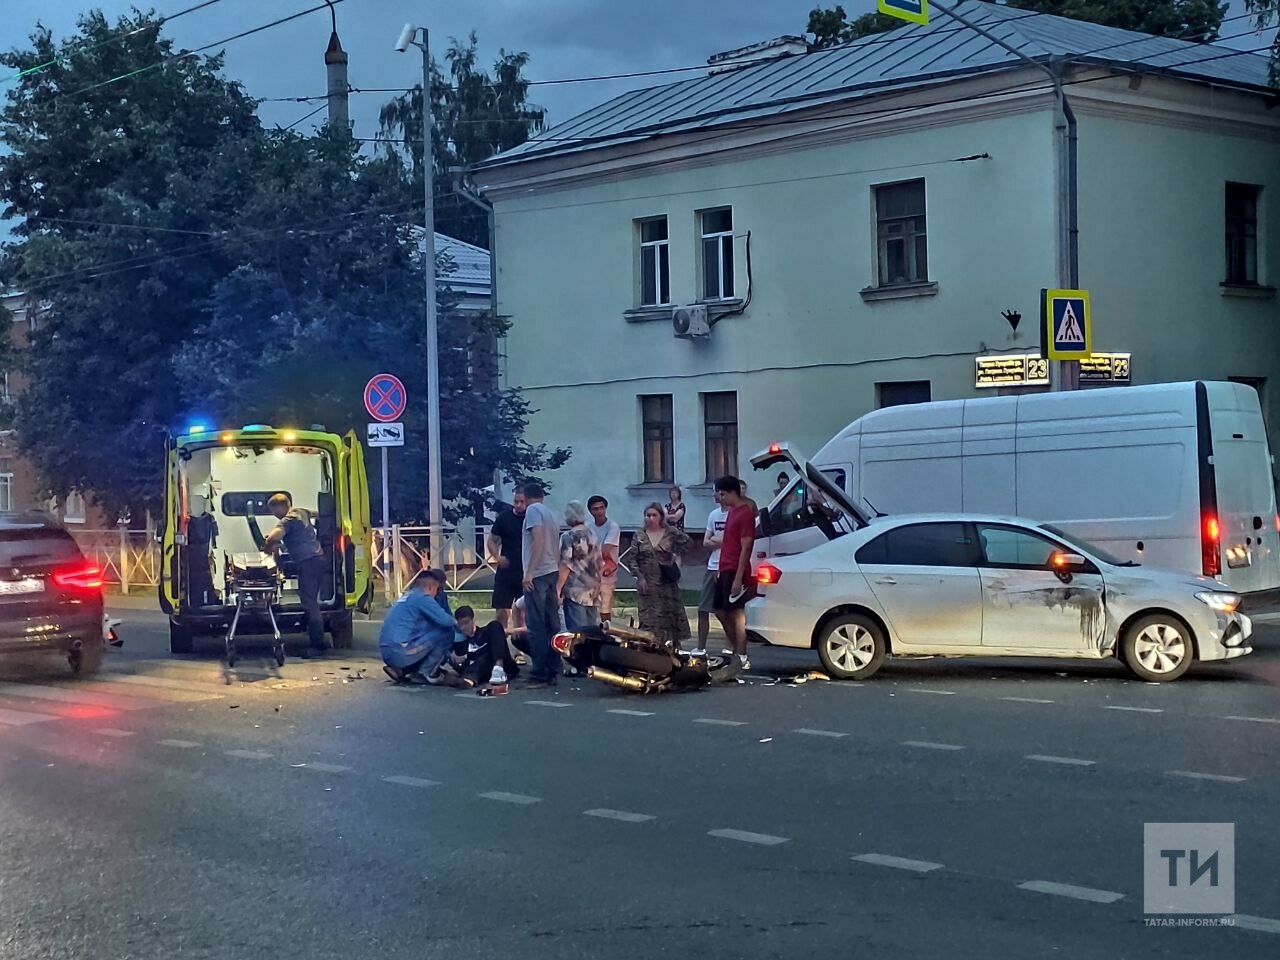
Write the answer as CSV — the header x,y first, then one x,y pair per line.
x,y
406,37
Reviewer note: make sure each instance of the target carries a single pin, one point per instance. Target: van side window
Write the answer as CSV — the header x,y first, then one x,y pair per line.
x,y
1016,549
922,545
789,513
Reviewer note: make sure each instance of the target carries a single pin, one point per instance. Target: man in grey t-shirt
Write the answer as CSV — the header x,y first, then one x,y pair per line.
x,y
541,555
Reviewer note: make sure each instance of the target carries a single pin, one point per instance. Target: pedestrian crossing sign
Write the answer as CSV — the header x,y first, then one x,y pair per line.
x,y
1066,331
913,11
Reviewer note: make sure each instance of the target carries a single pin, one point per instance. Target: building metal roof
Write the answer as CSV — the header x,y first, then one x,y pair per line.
x,y
471,275
909,56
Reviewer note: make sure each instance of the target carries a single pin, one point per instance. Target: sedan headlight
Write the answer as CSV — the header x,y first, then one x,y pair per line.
x,y
1221,602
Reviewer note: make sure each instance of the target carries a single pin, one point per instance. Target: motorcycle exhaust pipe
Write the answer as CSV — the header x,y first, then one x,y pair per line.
x,y
608,676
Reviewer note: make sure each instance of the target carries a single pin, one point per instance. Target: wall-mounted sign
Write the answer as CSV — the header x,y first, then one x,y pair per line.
x,y
1012,370
1066,329
1105,368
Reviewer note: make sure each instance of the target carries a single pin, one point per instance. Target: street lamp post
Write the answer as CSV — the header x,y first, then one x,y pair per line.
x,y
408,37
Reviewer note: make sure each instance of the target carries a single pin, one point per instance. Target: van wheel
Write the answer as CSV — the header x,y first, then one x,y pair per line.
x,y
342,629
1158,648
180,638
852,647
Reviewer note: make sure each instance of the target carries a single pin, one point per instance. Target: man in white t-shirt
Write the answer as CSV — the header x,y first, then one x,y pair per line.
x,y
608,535
712,537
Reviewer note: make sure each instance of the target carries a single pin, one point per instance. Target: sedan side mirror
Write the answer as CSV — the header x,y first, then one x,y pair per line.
x,y
1068,561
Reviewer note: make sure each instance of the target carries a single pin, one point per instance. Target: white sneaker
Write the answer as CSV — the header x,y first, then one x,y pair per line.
x,y
744,662
498,676
698,652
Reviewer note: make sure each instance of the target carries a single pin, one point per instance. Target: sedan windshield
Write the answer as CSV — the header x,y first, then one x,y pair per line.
x,y
1090,548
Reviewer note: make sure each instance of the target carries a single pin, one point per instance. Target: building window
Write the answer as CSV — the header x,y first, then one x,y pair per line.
x,y
899,392
73,510
900,233
1242,233
659,438
720,433
655,263
5,395
6,484
717,253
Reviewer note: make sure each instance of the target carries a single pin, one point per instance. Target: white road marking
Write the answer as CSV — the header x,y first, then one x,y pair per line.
x,y
1138,709
547,703
1066,761
820,733
326,767
249,754
113,732
1194,775
929,745
167,683
746,836
1069,890
632,713
898,863
68,695
1254,719
1260,924
411,781
711,722
936,693
1025,700
520,798
20,718
622,815
150,692
178,744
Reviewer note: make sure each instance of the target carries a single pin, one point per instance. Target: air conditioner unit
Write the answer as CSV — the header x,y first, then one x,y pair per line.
x,y
691,323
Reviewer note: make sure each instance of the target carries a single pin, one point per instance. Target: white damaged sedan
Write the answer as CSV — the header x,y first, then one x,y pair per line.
x,y
971,586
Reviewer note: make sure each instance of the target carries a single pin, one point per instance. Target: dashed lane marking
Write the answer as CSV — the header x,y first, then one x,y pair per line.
x,y
930,745
67,695
898,863
249,754
165,683
1025,700
1070,890
411,781
1138,709
113,732
20,718
547,703
622,815
936,693
1065,761
151,692
632,713
1255,719
324,767
522,799
1260,924
746,836
834,734
179,744
1195,775
712,722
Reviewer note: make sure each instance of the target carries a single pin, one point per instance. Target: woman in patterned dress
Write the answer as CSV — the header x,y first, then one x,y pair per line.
x,y
660,601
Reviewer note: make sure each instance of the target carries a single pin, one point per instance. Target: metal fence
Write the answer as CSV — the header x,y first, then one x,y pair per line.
x,y
130,559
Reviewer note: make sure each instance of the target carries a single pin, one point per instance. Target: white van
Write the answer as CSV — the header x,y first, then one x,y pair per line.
x,y
1175,475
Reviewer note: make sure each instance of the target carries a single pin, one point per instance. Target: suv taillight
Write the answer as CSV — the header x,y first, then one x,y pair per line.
x,y
84,576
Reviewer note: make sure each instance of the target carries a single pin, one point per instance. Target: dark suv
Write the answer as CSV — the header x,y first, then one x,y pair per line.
x,y
50,595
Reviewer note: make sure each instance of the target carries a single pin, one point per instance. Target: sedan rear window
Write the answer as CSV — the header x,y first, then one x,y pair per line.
x,y
35,545
922,545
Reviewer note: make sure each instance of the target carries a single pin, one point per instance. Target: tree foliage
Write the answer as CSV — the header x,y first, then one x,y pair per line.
x,y
831,26
1196,20
475,114
1267,15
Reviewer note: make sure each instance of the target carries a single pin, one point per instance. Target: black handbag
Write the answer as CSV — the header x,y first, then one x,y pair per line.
x,y
669,572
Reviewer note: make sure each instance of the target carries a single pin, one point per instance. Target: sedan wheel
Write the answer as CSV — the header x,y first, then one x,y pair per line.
x,y
851,647
1158,648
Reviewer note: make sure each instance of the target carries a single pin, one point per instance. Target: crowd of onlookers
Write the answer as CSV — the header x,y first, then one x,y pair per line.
x,y
552,575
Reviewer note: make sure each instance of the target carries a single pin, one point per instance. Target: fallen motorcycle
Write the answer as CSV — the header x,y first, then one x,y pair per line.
x,y
636,660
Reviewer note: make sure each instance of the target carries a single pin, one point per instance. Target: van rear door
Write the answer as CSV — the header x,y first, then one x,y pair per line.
x,y
170,532
357,560
1245,489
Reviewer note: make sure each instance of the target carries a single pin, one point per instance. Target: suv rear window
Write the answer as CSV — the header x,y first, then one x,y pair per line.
x,y
33,545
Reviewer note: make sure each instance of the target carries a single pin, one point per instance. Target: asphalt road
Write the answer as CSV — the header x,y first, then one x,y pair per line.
x,y
981,809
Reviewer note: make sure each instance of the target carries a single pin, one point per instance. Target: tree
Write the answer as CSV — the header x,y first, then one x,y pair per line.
x,y
831,27
475,115
1267,13
295,332
123,189
1196,20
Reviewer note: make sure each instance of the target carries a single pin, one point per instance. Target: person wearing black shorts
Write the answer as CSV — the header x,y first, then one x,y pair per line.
x,y
733,586
505,543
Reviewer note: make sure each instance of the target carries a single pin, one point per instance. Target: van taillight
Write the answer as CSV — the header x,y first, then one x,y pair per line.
x,y
84,576
1210,542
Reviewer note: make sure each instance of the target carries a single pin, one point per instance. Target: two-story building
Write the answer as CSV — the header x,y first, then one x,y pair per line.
x,y
853,224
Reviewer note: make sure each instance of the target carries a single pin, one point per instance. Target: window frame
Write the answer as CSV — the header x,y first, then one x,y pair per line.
x,y
729,440
1242,263
6,484
1056,545
81,516
661,432
910,238
880,384
968,528
722,243
661,254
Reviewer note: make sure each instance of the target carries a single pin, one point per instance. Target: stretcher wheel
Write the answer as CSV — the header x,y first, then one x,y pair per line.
x,y
279,651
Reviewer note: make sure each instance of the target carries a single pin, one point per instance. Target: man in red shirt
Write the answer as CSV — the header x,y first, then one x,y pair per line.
x,y
733,586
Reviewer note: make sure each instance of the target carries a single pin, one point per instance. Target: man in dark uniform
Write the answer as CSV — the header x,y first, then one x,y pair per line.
x,y
298,535
504,543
